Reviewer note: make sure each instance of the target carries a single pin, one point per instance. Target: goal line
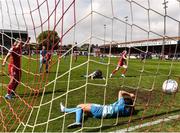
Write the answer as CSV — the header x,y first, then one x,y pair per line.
x,y
148,124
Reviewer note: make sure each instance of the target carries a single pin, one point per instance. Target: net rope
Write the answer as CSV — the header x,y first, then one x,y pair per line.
x,y
24,113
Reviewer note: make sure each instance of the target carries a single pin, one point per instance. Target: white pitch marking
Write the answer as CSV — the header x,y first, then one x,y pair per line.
x,y
133,128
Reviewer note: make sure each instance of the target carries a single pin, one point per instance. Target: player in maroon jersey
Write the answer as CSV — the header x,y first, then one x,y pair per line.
x,y
15,66
48,60
10,67
121,63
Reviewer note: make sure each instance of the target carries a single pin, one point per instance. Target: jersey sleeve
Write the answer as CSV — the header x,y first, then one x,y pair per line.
x,y
120,102
119,106
122,107
11,50
124,57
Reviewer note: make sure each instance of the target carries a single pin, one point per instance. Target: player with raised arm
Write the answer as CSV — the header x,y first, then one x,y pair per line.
x,y
14,67
121,63
122,107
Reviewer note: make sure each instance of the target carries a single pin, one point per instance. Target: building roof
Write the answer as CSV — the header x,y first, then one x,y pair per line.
x,y
13,31
147,42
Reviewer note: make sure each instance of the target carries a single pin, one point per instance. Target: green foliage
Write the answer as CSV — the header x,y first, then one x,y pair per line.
x,y
48,38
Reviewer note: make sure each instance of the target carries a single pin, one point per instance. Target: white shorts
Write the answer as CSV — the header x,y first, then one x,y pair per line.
x,y
124,66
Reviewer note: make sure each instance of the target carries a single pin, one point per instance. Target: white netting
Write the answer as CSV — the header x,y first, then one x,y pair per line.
x,y
147,27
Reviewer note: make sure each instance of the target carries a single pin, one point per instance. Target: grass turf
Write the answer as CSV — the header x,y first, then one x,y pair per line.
x,y
144,79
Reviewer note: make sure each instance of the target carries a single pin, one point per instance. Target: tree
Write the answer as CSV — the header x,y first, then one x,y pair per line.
x,y
48,38
85,47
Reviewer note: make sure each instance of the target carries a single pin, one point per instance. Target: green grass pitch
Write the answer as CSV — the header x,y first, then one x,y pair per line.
x,y
144,78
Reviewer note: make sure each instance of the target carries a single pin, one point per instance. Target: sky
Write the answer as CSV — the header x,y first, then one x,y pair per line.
x,y
93,21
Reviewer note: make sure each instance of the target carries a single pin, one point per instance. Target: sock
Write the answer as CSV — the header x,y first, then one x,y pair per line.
x,y
70,110
114,71
124,71
78,112
79,115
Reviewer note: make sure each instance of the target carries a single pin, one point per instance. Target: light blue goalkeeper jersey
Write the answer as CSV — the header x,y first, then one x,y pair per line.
x,y
109,111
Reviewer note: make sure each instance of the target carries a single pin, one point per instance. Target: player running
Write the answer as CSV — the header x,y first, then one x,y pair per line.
x,y
14,66
121,63
122,107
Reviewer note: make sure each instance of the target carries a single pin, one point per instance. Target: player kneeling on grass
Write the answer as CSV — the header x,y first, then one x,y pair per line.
x,y
95,75
122,107
121,63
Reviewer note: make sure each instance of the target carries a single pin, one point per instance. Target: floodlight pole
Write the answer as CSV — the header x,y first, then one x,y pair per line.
x,y
164,38
126,20
104,38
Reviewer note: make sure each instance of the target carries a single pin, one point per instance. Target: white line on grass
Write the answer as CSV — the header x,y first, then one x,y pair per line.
x,y
133,128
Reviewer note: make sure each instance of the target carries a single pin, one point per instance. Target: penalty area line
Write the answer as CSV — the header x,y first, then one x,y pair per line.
x,y
133,128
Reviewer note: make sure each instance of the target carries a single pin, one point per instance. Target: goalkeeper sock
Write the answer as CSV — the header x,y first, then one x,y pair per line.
x,y
77,110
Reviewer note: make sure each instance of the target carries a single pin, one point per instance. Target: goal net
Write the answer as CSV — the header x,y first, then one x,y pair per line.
x,y
83,36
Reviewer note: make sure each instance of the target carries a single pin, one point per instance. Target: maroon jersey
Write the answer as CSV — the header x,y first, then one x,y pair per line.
x,y
122,59
16,57
15,66
48,56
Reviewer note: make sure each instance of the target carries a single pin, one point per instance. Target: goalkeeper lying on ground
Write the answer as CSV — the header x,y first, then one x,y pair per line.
x,y
95,75
122,107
